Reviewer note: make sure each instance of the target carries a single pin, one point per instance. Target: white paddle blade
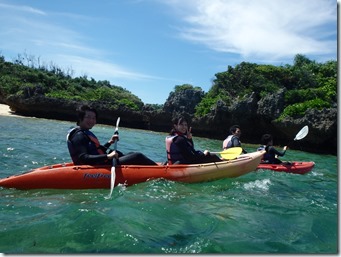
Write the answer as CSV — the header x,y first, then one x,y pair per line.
x,y
113,168
117,123
112,182
302,133
116,132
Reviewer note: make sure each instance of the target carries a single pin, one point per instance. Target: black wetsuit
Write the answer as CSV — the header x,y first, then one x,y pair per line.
x,y
270,155
83,150
189,155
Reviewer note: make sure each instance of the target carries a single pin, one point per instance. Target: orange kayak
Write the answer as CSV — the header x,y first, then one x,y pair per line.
x,y
291,167
69,176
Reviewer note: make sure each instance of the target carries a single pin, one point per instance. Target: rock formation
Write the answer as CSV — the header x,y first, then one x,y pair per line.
x,y
255,116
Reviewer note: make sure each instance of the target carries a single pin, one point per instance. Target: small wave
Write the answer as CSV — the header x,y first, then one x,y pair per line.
x,y
258,184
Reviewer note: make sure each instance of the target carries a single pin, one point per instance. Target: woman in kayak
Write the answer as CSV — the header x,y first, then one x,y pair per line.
x,y
85,148
271,152
180,146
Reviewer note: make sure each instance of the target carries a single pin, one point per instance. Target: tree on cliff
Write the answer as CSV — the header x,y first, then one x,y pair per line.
x,y
26,77
307,84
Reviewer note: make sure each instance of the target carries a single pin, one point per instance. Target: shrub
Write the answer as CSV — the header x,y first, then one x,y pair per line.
x,y
204,107
298,109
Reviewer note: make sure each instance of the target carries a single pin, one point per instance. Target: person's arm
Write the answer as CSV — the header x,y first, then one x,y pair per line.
x,y
276,152
110,142
225,144
187,151
80,142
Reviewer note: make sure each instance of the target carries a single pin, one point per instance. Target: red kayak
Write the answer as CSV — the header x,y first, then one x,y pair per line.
x,y
69,176
290,167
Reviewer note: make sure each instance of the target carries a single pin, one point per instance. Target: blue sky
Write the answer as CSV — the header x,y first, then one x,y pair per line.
x,y
150,46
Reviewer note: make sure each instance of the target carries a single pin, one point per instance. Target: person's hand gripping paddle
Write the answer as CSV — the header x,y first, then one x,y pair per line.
x,y
300,135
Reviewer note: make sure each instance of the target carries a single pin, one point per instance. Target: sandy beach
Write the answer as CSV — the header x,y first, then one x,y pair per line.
x,y
5,110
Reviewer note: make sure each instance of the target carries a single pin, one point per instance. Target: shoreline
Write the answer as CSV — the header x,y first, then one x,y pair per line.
x,y
5,110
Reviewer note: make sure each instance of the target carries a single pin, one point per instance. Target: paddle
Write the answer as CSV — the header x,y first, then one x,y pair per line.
x,y
230,153
114,162
302,133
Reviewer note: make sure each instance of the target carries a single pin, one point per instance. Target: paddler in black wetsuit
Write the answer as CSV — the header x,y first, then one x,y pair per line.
x,y
271,152
85,148
180,146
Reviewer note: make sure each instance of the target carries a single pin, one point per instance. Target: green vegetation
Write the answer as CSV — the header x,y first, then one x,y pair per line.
x,y
298,109
308,85
204,107
26,74
183,87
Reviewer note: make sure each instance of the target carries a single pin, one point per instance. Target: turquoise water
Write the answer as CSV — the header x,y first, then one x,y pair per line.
x,y
261,212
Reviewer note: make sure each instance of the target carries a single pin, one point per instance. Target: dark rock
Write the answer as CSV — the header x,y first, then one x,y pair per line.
x,y
271,106
255,116
183,102
322,136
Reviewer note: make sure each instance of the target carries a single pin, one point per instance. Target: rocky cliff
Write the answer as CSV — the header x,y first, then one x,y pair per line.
x,y
255,116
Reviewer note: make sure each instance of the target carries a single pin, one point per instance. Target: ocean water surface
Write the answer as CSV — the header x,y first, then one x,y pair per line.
x,y
258,213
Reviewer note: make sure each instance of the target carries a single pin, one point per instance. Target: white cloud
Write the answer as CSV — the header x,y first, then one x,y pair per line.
x,y
100,69
269,29
27,29
257,30
21,8
23,28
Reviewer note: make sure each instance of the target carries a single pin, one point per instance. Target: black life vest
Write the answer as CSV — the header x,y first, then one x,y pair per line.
x,y
94,147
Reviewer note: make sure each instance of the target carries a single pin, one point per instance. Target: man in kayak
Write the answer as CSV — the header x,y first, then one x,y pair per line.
x,y
180,146
85,148
233,139
271,152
